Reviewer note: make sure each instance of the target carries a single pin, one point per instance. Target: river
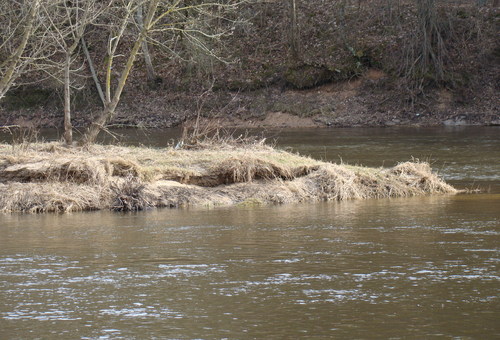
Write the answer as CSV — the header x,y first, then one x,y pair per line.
x,y
423,267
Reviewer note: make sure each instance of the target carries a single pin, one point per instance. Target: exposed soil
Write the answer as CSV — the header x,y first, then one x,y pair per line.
x,y
361,101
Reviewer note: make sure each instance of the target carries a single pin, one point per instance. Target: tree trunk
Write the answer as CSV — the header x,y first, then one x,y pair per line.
x,y
93,130
149,64
93,72
145,50
68,129
294,32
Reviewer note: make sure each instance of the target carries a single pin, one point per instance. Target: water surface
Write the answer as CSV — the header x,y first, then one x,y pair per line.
x,y
424,267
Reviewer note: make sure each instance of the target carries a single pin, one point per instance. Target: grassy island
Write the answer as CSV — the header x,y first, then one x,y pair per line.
x,y
47,177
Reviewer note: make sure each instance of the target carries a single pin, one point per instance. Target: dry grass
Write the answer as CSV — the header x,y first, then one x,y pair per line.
x,y
46,177
51,197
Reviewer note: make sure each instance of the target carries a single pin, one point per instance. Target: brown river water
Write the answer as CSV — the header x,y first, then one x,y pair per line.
x,y
414,268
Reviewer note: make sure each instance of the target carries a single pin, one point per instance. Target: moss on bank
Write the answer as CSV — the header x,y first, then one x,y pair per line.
x,y
46,177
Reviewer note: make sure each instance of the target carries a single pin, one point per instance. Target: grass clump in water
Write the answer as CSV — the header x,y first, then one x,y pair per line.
x,y
46,177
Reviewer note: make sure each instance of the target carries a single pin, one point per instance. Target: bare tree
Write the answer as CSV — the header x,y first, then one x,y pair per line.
x,y
159,17
116,34
426,51
67,21
17,28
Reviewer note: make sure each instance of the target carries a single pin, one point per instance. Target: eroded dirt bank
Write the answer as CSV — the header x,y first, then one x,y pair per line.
x,y
364,101
46,177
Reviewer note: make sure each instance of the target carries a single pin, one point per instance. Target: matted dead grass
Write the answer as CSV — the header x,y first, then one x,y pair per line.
x,y
48,177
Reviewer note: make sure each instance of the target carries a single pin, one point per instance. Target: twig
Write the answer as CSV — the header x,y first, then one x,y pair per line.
x,y
9,127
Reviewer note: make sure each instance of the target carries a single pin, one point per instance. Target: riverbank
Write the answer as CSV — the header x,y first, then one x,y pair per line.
x,y
359,66
367,100
47,177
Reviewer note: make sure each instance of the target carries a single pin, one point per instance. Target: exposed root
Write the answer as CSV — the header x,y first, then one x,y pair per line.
x,y
130,194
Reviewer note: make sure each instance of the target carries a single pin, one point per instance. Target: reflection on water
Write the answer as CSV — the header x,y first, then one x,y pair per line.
x,y
417,268
393,268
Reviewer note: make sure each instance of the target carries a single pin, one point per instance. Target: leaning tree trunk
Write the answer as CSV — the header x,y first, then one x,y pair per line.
x,y
109,111
13,61
93,71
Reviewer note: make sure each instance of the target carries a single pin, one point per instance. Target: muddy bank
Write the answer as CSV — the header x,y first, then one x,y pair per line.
x,y
46,177
368,100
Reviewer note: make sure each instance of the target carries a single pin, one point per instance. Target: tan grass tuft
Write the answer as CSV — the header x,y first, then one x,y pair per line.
x,y
240,170
52,197
76,170
124,168
419,176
